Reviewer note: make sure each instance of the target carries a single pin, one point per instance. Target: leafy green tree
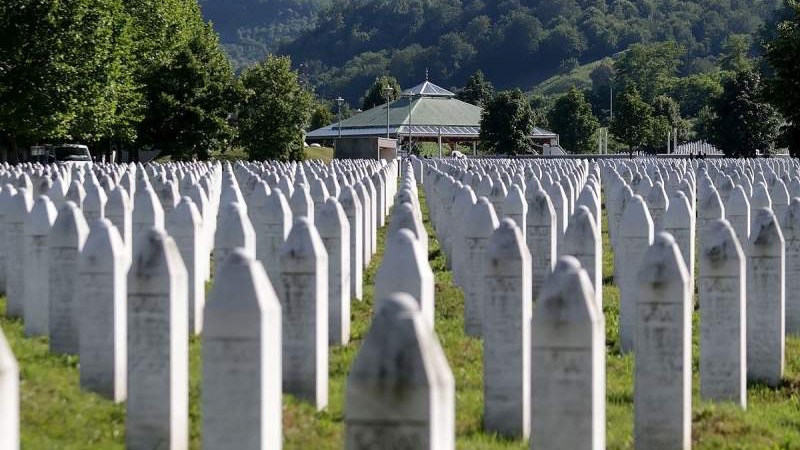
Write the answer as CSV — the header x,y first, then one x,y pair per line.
x,y
506,123
648,67
602,78
735,53
377,94
783,54
191,98
632,117
65,72
275,111
665,120
695,92
478,90
571,117
743,122
321,115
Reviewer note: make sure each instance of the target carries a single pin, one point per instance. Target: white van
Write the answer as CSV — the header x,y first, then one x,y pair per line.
x,y
73,154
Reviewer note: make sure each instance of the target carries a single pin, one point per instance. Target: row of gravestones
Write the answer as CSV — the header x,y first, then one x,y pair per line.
x,y
653,221
125,291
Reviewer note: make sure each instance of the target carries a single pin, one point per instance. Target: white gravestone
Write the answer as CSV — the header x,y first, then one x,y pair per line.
x,y
9,397
723,342
506,333
480,224
185,225
102,298
118,211
65,243
334,230
234,231
400,406
582,240
352,208
791,233
766,313
406,269
15,235
241,392
635,237
540,237
662,392
158,346
303,291
272,220
36,259
680,222
568,363
147,213
516,208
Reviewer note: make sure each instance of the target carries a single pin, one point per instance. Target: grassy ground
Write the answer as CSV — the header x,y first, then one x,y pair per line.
x,y
56,414
323,153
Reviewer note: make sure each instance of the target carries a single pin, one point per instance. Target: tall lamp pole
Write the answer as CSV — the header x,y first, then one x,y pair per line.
x,y
339,102
386,91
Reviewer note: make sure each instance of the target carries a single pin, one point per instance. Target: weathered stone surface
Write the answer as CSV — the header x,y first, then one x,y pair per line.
x,y
723,362
185,226
766,314
568,363
19,208
102,297
405,269
791,234
234,231
662,393
540,237
481,222
66,241
635,237
241,393
505,329
334,230
582,240
9,397
158,353
352,208
303,291
37,302
400,406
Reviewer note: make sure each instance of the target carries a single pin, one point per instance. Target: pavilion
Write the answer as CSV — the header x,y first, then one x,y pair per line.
x,y
426,112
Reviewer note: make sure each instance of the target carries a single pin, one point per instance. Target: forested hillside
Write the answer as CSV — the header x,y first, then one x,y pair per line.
x,y
515,42
250,28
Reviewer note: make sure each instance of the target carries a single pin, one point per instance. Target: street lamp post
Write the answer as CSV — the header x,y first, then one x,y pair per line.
x,y
387,90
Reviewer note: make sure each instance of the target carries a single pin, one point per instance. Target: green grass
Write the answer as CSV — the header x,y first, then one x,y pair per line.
x,y
56,414
323,153
561,83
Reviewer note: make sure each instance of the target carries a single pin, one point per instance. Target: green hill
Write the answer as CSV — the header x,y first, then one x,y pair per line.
x,y
515,42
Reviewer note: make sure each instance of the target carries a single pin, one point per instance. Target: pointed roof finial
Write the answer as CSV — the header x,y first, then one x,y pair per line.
x,y
426,74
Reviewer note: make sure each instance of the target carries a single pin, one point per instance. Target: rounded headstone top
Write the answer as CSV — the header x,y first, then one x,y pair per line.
x,y
331,219
481,219
515,201
720,245
242,293
765,232
19,207
636,220
70,228
103,246
186,216
663,264
760,197
566,299
506,250
41,218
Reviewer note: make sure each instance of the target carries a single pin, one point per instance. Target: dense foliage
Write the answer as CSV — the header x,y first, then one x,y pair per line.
x,y
515,42
742,122
384,89
506,123
571,117
783,54
275,112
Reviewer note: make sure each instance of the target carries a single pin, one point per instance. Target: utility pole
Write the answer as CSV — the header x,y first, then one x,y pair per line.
x,y
339,101
387,90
